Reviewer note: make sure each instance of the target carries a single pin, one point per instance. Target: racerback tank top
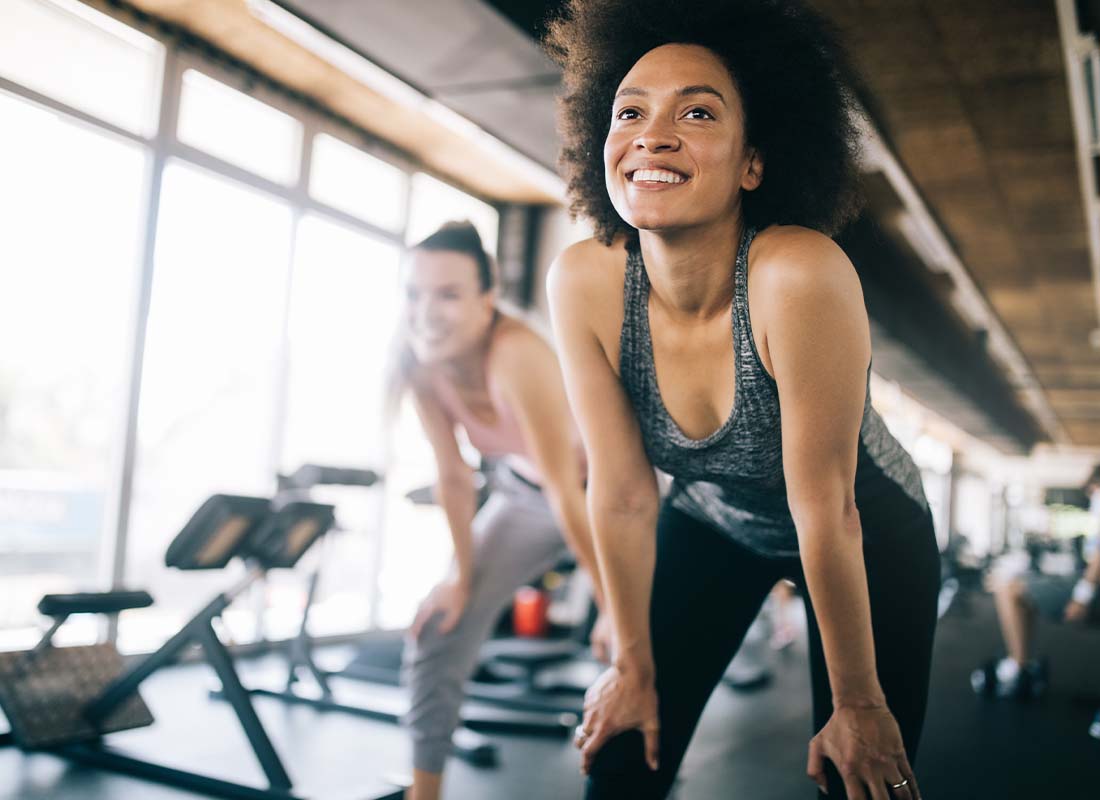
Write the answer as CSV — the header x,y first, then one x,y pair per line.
x,y
733,478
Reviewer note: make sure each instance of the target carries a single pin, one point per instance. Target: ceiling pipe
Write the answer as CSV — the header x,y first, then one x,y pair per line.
x,y
1080,51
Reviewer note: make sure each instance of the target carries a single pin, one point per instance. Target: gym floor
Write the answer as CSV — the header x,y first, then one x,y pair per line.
x,y
749,746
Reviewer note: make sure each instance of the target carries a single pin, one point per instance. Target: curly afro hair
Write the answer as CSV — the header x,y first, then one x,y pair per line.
x,y
797,89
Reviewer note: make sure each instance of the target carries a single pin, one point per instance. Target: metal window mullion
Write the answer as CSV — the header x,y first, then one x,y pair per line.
x,y
296,195
281,385
376,546
169,108
70,112
282,380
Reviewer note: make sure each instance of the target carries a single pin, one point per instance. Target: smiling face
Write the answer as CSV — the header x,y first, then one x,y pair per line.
x,y
447,314
675,156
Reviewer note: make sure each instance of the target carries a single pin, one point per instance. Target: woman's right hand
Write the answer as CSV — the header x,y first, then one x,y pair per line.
x,y
602,638
1076,612
448,598
618,701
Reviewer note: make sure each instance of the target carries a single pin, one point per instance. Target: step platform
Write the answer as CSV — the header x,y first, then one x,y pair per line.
x,y
43,695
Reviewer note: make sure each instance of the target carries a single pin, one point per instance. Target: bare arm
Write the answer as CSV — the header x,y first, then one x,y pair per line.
x,y
818,341
527,372
1084,591
454,485
1092,573
622,489
819,345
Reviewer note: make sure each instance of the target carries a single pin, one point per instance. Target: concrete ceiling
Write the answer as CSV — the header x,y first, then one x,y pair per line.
x,y
462,52
972,96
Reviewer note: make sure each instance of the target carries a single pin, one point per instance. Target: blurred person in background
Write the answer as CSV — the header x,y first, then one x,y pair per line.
x,y
469,364
1022,599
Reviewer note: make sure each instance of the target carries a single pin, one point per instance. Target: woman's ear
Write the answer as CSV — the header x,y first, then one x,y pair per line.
x,y
754,173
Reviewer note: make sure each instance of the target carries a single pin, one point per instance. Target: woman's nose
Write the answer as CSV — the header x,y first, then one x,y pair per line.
x,y
657,136
422,313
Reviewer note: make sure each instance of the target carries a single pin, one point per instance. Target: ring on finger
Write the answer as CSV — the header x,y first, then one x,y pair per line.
x,y
904,783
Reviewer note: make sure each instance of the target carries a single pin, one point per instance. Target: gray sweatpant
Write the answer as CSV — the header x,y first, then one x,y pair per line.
x,y
516,539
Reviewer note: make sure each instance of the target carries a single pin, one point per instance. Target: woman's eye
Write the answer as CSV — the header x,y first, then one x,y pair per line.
x,y
699,113
627,113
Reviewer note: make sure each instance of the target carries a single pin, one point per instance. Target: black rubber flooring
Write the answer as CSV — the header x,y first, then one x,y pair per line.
x,y
749,746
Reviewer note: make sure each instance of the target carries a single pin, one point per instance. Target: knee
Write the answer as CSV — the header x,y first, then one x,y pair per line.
x,y
620,771
439,662
420,652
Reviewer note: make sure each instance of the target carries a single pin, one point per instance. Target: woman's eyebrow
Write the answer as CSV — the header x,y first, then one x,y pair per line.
x,y
702,88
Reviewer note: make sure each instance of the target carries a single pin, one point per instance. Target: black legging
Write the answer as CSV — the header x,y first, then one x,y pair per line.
x,y
707,590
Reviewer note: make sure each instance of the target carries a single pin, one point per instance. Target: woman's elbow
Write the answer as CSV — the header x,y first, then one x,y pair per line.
x,y
454,479
834,514
619,499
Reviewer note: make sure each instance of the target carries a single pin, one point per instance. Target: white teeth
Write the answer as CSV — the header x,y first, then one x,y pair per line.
x,y
657,176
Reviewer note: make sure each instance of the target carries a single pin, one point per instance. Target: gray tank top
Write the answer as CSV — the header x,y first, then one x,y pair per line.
x,y
733,478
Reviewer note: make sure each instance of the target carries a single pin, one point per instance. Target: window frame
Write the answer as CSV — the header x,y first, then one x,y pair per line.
x,y
164,146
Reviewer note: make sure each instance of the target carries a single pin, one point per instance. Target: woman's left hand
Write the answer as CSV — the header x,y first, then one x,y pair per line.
x,y
865,746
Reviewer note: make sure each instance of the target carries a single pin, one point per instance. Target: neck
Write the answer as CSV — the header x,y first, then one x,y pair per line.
x,y
690,270
468,370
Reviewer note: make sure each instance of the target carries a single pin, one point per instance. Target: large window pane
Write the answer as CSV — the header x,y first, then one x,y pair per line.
x,y
344,302
71,207
238,128
348,179
210,382
72,53
344,305
434,202
417,547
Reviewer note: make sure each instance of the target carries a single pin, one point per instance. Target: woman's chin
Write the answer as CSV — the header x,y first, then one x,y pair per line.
x,y
655,219
429,356
657,223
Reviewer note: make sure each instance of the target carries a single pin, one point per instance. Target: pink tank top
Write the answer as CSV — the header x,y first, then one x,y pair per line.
x,y
502,439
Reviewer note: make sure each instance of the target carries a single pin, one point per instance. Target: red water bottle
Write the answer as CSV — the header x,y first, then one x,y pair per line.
x,y
529,612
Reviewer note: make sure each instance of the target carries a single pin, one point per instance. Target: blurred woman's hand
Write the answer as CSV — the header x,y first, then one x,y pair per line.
x,y
448,598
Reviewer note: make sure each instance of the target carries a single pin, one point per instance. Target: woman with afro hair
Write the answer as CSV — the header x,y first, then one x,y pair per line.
x,y
713,329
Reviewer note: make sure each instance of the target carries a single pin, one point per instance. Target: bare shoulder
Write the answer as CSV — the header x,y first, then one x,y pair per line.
x,y
802,284
586,266
790,258
585,287
515,342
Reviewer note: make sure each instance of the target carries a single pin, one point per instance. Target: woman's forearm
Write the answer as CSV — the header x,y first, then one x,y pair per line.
x,y
626,548
831,545
455,493
569,508
1092,573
